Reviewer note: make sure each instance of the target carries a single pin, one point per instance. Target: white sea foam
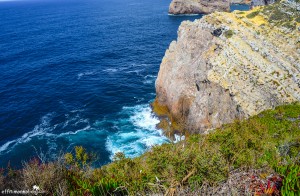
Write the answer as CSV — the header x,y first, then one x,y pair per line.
x,y
38,130
5,146
138,134
143,118
111,70
139,99
137,72
133,133
45,130
150,76
149,79
74,132
88,73
140,64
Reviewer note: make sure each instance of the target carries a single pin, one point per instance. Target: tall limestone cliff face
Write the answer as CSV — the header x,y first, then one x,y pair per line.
x,y
231,65
198,6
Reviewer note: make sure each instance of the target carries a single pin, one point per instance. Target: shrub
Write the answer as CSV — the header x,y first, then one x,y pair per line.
x,y
253,143
49,177
269,140
82,159
278,15
253,14
80,185
228,34
291,181
289,26
2,179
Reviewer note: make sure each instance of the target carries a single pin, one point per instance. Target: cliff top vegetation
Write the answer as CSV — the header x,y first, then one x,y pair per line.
x,y
259,155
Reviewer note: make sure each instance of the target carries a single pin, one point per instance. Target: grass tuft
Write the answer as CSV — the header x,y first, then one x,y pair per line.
x,y
252,14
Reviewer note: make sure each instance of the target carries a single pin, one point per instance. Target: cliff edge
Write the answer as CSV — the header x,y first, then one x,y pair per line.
x,y
228,66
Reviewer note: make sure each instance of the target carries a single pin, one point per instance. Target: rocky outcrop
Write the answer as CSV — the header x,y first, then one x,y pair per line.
x,y
261,2
253,2
229,66
240,1
210,6
198,6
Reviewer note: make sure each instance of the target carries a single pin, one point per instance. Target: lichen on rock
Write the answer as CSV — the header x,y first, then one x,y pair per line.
x,y
252,65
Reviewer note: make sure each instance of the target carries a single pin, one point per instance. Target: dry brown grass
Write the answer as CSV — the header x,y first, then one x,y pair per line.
x,y
1,180
50,177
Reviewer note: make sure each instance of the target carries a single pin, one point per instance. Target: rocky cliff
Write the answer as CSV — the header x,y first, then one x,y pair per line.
x,y
198,6
253,2
240,1
228,66
261,2
209,6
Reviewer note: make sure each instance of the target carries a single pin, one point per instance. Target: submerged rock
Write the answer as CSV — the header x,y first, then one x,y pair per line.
x,y
229,66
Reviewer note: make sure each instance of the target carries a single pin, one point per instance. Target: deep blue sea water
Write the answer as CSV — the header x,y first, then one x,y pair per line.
x,y
80,73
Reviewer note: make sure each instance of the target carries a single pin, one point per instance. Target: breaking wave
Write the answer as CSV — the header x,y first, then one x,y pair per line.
x,y
138,135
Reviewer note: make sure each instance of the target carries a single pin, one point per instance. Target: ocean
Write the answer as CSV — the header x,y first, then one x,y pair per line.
x,y
80,73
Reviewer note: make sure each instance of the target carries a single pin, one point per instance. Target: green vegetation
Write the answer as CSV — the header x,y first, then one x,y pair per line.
x,y
268,141
81,158
281,15
291,181
278,15
289,25
252,14
228,34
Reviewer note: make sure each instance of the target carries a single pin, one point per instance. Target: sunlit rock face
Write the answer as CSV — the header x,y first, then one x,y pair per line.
x,y
231,65
198,6
209,6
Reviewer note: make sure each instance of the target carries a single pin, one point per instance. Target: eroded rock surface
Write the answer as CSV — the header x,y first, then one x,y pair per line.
x,y
231,65
198,6
261,2
253,2
210,6
240,1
